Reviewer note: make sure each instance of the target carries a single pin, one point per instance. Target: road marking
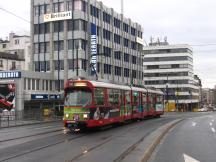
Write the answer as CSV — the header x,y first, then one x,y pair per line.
x,y
194,124
213,130
212,120
210,124
188,158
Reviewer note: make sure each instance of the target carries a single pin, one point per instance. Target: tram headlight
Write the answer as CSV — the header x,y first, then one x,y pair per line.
x,y
67,115
85,116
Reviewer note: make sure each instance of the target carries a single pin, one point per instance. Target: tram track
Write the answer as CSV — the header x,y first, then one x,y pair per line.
x,y
104,140
40,148
33,135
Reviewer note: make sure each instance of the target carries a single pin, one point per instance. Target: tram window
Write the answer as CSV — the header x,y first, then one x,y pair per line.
x,y
114,96
127,97
159,99
99,96
144,98
135,97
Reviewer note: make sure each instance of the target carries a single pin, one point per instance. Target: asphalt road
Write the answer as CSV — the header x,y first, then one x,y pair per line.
x,y
49,142
192,140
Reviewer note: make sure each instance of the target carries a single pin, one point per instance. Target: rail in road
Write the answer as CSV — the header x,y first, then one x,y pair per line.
x,y
94,142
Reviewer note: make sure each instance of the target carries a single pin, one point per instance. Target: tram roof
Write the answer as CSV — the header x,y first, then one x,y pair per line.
x,y
109,85
123,87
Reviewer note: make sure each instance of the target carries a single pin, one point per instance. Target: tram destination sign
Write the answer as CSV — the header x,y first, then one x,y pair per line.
x,y
11,74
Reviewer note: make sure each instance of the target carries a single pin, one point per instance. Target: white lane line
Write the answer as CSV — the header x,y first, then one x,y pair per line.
x,y
210,124
213,130
212,120
194,124
188,158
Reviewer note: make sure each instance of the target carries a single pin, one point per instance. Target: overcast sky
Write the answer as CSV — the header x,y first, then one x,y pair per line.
x,y
182,21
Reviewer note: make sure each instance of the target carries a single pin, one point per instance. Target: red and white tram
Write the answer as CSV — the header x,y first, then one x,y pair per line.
x,y
93,104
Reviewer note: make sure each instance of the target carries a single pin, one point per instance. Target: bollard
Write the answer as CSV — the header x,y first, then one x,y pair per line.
x,y
8,120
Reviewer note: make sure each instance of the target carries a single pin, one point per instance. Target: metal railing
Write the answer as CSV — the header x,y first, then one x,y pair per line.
x,y
9,119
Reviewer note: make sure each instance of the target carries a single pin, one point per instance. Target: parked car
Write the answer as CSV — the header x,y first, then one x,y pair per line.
x,y
204,109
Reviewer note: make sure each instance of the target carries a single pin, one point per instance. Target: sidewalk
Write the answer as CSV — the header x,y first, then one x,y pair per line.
x,y
16,123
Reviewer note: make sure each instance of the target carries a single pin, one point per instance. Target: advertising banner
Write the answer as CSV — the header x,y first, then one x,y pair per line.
x,y
7,96
93,48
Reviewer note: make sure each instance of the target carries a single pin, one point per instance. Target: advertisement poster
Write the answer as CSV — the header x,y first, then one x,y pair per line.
x,y
7,96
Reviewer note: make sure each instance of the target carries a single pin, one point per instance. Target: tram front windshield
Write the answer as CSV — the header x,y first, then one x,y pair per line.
x,y
78,98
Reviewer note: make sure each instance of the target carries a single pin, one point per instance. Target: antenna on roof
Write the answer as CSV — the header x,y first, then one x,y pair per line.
x,y
122,7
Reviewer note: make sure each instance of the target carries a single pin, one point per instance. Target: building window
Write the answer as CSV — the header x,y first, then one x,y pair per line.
x,y
33,84
29,84
41,9
41,28
117,55
126,42
13,67
106,17
75,25
55,7
69,6
16,41
117,23
42,66
134,75
77,5
36,28
61,7
1,63
59,64
133,31
37,84
58,45
4,45
134,59
126,27
47,27
107,51
126,72
41,47
84,64
107,69
126,57
47,47
70,64
47,65
117,38
133,45
36,10
37,66
117,71
58,26
106,34
94,11
47,9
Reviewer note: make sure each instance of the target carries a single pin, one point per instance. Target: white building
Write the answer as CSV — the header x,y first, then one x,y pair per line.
x,y
170,68
19,45
11,62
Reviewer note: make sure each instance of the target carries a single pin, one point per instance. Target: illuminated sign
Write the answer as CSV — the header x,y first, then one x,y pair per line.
x,y
58,16
6,75
54,96
94,47
139,40
39,96
80,84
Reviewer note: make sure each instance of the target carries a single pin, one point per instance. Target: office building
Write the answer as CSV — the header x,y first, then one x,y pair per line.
x,y
170,68
72,38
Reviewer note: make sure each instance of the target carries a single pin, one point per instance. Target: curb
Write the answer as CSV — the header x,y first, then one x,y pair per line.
x,y
25,124
147,154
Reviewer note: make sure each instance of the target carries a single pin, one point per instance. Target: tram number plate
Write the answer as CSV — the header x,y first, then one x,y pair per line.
x,y
71,121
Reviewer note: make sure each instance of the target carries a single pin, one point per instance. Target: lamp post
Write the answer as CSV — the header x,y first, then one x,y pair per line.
x,y
77,64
